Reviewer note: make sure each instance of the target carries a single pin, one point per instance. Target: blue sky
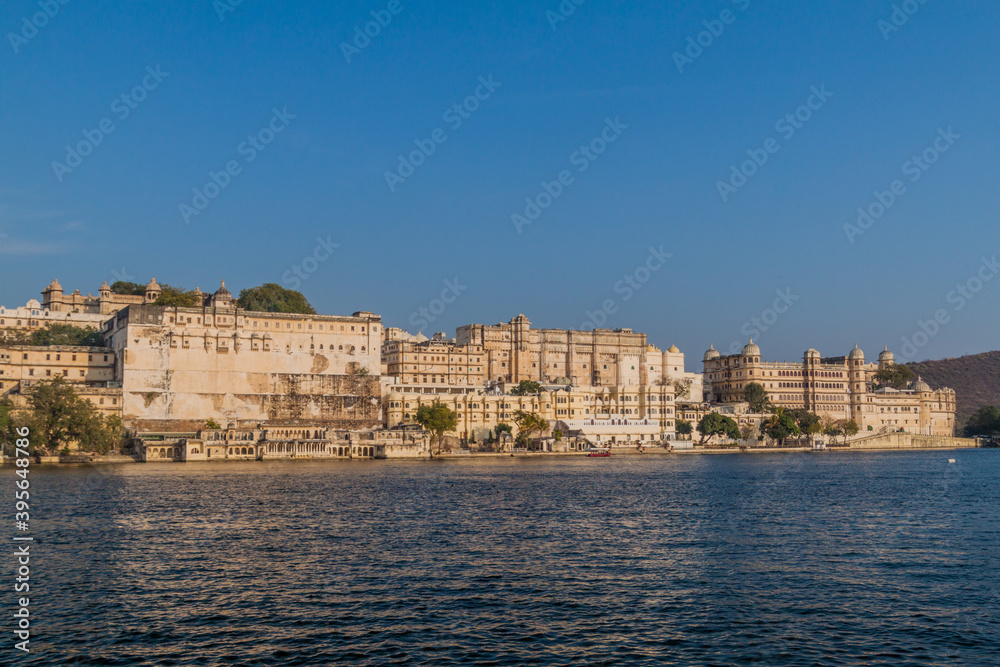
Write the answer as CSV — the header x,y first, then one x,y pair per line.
x,y
319,187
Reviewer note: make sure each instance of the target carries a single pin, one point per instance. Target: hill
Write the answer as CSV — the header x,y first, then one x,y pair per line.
x,y
975,379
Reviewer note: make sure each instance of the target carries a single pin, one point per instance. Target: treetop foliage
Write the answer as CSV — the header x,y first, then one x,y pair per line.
x,y
526,388
756,395
273,298
58,418
896,376
715,424
126,288
55,334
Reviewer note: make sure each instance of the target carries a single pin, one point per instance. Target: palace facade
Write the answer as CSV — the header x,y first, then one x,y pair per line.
x,y
586,377
836,388
181,366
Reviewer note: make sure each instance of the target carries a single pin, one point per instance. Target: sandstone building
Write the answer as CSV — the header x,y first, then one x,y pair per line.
x,y
181,366
609,381
833,387
89,369
33,316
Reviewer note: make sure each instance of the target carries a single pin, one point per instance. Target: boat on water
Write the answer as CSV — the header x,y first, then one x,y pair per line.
x,y
598,452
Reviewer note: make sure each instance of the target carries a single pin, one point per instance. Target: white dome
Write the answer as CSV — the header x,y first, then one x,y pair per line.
x,y
751,349
886,356
920,386
856,354
711,353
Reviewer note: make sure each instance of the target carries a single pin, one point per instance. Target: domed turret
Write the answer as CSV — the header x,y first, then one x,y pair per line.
x,y
751,349
711,353
222,298
153,291
673,349
856,354
886,357
420,338
812,353
920,386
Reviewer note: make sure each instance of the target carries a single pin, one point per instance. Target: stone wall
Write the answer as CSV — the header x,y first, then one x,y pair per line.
x,y
911,441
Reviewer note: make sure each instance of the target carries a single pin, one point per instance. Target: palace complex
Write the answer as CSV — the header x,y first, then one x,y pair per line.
x,y
343,386
833,387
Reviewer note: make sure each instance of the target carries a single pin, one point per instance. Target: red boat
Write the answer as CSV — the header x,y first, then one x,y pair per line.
x,y
598,451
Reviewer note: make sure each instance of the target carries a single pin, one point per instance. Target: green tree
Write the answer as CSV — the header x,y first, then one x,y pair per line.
x,y
896,376
438,419
715,424
756,395
66,334
7,434
128,289
58,417
986,421
528,423
178,297
557,434
102,434
273,298
526,388
781,426
748,432
684,427
850,429
808,422
212,424
56,334
833,429
502,428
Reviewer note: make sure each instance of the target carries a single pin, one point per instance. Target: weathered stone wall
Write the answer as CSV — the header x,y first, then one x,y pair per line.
x,y
911,441
175,377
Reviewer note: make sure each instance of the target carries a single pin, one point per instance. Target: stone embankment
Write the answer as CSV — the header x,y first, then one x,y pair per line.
x,y
910,441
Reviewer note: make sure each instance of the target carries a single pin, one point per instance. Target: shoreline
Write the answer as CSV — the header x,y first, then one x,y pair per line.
x,y
626,452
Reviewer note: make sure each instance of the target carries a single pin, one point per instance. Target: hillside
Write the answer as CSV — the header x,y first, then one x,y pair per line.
x,y
975,379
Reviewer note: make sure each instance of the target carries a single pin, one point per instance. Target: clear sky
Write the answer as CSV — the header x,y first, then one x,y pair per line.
x,y
627,119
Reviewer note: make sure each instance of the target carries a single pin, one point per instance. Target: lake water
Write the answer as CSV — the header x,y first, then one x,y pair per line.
x,y
789,559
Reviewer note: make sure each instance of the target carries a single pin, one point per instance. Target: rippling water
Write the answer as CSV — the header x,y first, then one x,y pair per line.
x,y
793,559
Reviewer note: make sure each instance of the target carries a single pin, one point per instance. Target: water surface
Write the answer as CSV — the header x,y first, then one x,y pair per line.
x,y
790,559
